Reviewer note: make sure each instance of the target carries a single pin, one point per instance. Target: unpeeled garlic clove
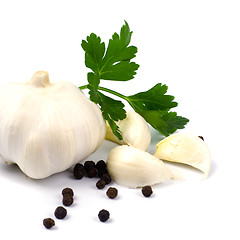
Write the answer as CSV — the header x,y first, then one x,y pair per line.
x,y
185,148
134,167
135,131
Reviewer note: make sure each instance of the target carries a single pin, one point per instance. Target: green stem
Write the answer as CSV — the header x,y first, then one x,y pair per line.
x,y
112,92
83,87
106,90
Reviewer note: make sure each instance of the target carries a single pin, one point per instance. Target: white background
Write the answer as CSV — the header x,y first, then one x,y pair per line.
x,y
194,48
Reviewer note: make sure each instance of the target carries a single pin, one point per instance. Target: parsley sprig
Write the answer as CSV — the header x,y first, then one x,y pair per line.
x,y
115,64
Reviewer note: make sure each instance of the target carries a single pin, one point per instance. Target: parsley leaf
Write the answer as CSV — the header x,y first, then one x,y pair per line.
x,y
154,105
94,51
112,110
153,99
114,63
165,122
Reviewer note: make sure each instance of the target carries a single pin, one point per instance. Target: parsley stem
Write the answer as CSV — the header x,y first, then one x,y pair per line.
x,y
83,87
112,92
106,90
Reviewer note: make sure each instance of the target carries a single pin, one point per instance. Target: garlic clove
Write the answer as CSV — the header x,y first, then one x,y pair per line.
x,y
185,148
135,131
132,167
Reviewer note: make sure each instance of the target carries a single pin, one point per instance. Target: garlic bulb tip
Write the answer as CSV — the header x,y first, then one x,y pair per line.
x,y
40,79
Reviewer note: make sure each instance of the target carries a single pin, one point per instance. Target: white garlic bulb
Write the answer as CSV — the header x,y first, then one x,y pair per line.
x,y
46,127
185,148
132,167
135,131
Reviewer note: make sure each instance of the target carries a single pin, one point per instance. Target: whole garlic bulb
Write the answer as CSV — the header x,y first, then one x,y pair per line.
x,y
46,127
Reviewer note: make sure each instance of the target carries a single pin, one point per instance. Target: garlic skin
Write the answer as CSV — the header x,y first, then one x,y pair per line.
x,y
135,131
46,127
185,148
133,168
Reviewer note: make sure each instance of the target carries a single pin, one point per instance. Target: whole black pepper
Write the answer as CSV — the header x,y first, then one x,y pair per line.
x,y
112,192
60,212
78,171
89,164
101,168
101,171
100,184
91,172
147,191
48,223
107,178
103,215
67,200
67,191
100,165
79,166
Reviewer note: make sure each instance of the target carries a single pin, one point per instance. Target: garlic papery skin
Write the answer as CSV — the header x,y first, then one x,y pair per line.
x,y
133,168
135,131
185,148
47,127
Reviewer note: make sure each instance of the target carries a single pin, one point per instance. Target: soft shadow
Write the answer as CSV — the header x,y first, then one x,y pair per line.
x,y
155,136
213,169
183,166
103,151
12,173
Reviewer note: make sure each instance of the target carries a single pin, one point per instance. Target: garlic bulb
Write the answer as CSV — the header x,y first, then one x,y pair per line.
x,y
135,131
185,148
134,167
46,127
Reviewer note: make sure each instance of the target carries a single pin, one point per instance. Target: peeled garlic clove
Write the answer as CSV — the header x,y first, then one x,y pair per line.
x,y
135,131
134,167
46,127
185,148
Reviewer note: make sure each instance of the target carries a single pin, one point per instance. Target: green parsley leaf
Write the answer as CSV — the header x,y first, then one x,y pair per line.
x,y
165,122
114,63
153,99
94,52
112,110
154,105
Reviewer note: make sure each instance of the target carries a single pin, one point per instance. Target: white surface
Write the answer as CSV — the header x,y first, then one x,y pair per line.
x,y
193,47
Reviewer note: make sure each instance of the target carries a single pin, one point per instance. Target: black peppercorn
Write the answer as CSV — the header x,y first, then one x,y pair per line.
x,y
101,171
147,191
101,165
67,200
89,164
112,192
101,168
60,212
106,177
91,172
67,191
103,215
79,171
48,223
100,184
